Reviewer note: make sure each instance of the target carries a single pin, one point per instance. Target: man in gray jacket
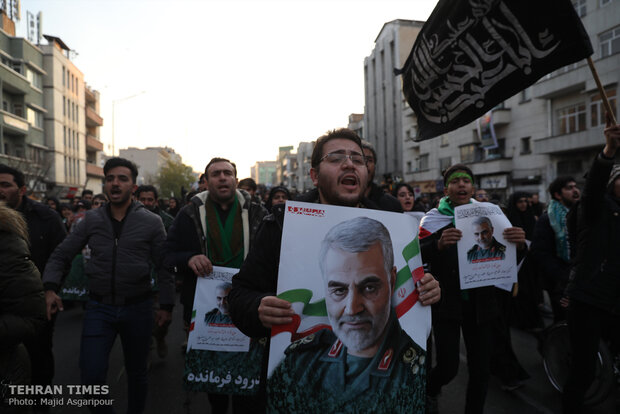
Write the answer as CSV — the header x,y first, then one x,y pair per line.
x,y
124,238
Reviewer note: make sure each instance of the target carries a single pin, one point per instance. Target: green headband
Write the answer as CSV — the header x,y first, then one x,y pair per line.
x,y
459,174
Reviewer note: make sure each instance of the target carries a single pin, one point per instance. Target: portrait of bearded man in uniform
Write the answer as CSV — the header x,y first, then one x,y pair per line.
x,y
487,248
219,315
366,362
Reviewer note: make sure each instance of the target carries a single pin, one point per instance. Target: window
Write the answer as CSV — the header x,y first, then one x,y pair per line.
x,y
35,118
572,119
470,153
580,7
64,103
423,165
444,163
444,141
409,166
604,3
33,77
498,152
610,42
63,82
597,109
64,136
526,145
18,109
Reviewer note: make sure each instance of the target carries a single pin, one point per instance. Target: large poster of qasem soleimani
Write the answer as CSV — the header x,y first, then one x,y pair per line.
x,y
473,54
357,342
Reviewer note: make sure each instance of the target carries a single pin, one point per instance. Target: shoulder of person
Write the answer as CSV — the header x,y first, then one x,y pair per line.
x,y
314,342
473,249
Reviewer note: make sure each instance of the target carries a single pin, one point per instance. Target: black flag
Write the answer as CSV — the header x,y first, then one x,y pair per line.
x,y
473,54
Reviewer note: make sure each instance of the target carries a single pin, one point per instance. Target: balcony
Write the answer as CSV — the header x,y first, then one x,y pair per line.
x,y
14,123
500,165
501,117
92,118
93,144
94,170
89,95
569,142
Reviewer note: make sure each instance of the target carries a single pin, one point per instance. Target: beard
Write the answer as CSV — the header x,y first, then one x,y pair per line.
x,y
358,340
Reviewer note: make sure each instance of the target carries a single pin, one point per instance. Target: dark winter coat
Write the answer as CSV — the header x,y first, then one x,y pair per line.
x,y
45,230
596,276
119,271
383,200
186,237
22,303
444,266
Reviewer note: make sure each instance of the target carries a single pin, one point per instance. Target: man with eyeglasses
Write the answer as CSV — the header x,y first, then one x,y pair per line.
x,y
383,200
550,245
340,175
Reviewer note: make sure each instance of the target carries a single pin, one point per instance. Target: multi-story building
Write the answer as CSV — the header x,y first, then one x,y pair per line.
x,y
149,161
94,146
552,128
22,138
356,123
263,172
386,114
303,182
285,165
65,126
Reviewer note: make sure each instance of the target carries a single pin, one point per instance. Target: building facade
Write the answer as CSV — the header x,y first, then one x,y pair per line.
x,y
386,114
553,128
94,146
263,172
149,161
65,124
22,137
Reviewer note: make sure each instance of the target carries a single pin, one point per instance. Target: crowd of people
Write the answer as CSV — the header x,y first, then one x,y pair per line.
x,y
567,249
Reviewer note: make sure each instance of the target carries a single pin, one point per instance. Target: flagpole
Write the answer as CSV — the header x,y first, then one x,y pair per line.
x,y
601,90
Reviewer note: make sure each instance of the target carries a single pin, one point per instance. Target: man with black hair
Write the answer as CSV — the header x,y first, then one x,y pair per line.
x,y
594,288
340,177
216,228
45,231
125,239
376,194
87,195
147,195
550,247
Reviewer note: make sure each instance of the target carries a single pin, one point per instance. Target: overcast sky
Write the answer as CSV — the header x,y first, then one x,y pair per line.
x,y
230,78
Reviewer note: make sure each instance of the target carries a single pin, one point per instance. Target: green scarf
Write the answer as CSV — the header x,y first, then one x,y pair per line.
x,y
446,208
224,240
557,218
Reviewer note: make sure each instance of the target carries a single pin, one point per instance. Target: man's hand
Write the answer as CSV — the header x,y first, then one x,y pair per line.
x,y
515,235
53,302
163,317
274,311
612,137
449,237
429,289
200,265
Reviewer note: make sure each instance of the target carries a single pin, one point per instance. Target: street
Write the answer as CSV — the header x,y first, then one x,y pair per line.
x,y
166,394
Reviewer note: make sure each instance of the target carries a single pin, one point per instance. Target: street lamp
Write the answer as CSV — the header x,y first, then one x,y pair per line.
x,y
114,112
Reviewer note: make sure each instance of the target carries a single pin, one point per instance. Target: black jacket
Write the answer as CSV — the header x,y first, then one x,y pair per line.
x,y
45,230
186,238
550,266
258,276
596,276
22,304
383,200
444,266
120,266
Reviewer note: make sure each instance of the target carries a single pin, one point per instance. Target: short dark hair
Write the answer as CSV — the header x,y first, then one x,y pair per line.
x,y
218,159
145,189
248,182
399,186
18,176
87,191
559,183
342,133
121,162
367,145
100,196
454,168
202,176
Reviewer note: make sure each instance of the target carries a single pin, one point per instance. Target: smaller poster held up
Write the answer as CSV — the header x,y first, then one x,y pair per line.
x,y
485,258
220,359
